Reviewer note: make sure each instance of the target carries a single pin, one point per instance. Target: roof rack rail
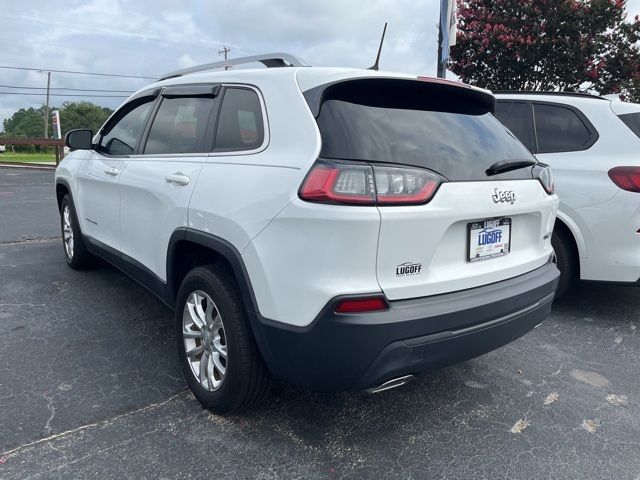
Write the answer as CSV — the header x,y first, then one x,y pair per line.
x,y
269,60
533,92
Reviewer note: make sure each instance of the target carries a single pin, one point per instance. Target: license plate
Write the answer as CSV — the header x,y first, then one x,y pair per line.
x,y
489,238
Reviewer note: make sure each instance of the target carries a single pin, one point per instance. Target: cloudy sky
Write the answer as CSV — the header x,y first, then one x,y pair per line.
x,y
151,37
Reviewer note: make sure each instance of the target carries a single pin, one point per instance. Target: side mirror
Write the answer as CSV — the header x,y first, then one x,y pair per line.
x,y
79,139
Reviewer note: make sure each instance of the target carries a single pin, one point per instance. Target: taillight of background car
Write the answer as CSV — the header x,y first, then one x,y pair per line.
x,y
363,184
627,178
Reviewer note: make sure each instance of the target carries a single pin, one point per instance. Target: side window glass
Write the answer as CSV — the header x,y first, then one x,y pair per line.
x,y
632,120
560,129
121,138
518,118
240,125
179,125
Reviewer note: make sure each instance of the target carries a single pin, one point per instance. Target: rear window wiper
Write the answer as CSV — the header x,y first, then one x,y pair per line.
x,y
508,165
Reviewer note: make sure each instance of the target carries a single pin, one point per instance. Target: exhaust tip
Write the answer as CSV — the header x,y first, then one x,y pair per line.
x,y
389,384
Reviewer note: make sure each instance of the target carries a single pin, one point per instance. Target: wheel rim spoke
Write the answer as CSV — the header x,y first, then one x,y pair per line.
x,y
191,334
194,352
195,319
204,363
67,231
218,364
219,348
204,340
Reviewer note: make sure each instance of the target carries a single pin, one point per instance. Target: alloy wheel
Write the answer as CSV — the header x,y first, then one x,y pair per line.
x,y
205,342
67,231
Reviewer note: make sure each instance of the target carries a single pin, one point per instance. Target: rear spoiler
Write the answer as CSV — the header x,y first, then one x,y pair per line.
x,y
423,93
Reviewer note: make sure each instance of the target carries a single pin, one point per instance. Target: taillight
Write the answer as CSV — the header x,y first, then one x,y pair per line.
x,y
399,185
627,178
339,183
361,305
545,176
362,184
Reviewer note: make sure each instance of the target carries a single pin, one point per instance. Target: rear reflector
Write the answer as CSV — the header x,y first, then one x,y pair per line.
x,y
362,184
627,178
361,305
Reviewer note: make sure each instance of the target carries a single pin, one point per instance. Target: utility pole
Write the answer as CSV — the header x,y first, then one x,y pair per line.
x,y
46,107
225,51
442,68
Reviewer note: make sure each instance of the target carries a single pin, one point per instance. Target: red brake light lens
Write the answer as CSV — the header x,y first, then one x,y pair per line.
x,y
361,305
362,184
337,183
627,178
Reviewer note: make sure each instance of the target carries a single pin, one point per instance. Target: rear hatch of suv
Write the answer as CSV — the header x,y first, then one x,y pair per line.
x,y
422,152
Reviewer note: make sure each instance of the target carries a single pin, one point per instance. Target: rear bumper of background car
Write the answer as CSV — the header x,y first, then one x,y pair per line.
x,y
363,350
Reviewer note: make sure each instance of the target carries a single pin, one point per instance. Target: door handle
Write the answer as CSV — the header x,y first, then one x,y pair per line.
x,y
178,179
112,171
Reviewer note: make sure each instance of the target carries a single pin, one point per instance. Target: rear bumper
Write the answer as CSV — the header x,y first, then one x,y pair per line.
x,y
359,351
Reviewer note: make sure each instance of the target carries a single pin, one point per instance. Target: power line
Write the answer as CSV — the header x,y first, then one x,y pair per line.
x,y
76,72
95,27
19,94
70,89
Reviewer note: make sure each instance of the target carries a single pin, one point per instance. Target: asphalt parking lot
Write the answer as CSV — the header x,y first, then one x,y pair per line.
x,y
90,387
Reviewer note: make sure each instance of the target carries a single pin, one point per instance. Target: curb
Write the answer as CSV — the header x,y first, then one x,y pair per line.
x,y
28,167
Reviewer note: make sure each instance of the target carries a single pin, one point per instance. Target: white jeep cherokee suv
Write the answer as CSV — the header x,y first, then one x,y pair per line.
x,y
337,228
593,145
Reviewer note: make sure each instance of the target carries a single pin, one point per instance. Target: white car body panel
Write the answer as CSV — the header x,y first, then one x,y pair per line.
x,y
603,219
151,208
97,198
309,254
435,236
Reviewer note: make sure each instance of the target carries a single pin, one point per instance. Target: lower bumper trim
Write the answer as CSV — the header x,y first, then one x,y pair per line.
x,y
363,351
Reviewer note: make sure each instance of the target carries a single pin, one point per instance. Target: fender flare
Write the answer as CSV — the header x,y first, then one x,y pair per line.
x,y
64,182
221,247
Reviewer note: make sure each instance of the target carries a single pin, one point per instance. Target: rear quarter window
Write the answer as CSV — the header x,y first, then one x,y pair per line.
x,y
240,125
562,129
632,120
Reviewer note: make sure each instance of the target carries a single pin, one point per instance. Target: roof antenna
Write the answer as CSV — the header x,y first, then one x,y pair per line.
x,y
375,65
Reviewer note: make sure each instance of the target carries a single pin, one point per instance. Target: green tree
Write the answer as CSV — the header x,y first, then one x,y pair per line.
x,y
26,122
569,45
82,115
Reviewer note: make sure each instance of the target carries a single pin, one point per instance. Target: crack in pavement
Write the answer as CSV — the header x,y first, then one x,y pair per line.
x,y
4,456
30,240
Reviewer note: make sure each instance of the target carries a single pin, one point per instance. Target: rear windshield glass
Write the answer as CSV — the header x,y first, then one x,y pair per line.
x,y
387,127
632,120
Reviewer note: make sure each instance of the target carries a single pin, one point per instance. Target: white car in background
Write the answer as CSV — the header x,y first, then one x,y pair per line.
x,y
592,145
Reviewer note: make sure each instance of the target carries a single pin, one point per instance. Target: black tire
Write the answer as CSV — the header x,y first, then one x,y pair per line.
x,y
80,258
566,261
246,380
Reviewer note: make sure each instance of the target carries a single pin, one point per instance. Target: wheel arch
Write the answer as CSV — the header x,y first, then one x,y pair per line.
x,y
565,230
572,229
191,248
62,188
